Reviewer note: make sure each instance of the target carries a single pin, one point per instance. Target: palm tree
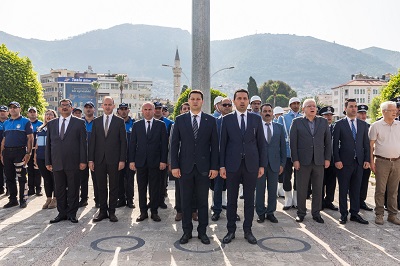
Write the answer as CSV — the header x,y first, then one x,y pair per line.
x,y
96,86
120,78
274,88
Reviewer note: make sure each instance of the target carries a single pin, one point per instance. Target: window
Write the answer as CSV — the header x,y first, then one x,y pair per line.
x,y
335,93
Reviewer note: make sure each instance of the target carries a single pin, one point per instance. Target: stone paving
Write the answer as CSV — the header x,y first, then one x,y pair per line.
x,y
27,238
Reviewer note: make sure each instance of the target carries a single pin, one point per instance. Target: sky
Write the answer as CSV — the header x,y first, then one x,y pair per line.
x,y
354,23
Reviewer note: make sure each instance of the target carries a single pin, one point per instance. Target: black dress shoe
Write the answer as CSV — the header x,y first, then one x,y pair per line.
x,y
185,238
97,205
228,238
113,218
285,208
155,218
331,206
299,219
22,204
59,218
83,203
224,207
204,239
100,216
142,217
11,204
215,217
250,238
73,219
343,219
31,192
39,194
121,203
357,218
261,218
318,219
241,197
131,205
237,218
364,206
163,205
272,218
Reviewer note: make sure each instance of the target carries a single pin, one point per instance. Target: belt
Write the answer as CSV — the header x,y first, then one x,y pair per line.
x,y
14,148
388,159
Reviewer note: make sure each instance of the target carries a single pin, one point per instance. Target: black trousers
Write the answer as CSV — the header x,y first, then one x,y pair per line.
x,y
178,198
329,186
287,176
126,184
66,187
364,185
2,177
84,184
12,158
199,184
107,173
349,179
34,178
148,176
163,185
48,178
249,181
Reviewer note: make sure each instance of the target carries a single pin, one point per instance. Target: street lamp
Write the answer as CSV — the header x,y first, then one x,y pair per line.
x,y
225,68
165,65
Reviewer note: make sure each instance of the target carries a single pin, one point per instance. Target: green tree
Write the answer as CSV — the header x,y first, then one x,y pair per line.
x,y
184,87
185,96
96,86
280,100
269,87
120,78
252,87
18,81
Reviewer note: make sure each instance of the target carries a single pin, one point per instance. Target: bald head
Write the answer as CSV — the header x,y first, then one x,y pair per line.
x,y
148,110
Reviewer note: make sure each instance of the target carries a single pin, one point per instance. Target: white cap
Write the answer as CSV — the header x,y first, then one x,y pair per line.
x,y
248,107
255,98
218,99
294,100
278,110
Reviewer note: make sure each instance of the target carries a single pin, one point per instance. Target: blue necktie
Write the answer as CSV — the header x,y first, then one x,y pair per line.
x,y
353,129
242,125
195,126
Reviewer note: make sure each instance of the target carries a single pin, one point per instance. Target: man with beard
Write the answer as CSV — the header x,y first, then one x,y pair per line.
x,y
34,177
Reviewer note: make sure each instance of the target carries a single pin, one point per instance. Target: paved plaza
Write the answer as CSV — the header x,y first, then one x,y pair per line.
x,y
27,238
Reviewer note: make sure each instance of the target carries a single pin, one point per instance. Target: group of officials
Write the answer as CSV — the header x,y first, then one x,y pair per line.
x,y
250,148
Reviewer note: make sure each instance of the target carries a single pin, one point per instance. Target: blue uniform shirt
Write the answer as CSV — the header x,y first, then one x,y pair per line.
x,y
128,127
1,130
41,143
35,126
168,124
286,121
15,132
89,126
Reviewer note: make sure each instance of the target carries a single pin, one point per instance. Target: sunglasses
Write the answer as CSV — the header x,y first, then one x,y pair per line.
x,y
226,104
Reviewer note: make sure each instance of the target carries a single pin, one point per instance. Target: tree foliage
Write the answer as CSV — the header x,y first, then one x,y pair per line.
x,y
18,81
252,87
185,96
281,100
267,89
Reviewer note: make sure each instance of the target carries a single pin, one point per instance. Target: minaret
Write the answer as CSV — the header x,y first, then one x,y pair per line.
x,y
177,70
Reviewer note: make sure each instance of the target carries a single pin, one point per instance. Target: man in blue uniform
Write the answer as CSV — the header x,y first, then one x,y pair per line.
x,y
34,178
16,149
126,175
3,118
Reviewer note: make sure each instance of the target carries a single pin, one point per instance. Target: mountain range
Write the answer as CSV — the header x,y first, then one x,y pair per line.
x,y
307,64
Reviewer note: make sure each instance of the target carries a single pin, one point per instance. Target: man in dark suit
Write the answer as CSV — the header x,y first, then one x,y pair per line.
x,y
194,160
66,154
351,154
107,156
310,146
276,149
243,158
148,155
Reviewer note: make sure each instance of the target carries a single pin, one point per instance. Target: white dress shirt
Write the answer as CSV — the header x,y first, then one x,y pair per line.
x,y
239,118
145,124
354,122
109,120
60,120
198,118
265,127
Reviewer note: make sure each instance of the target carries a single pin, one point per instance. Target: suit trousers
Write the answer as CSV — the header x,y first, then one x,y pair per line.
x,y
387,175
315,173
48,178
84,183
148,176
9,158
66,190
349,180
163,183
178,199
249,180
287,176
217,201
126,184
34,178
328,190
271,178
106,172
364,185
199,184
1,177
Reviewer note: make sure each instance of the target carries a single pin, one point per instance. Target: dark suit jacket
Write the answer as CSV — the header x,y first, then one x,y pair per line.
x,y
148,150
68,153
233,144
344,144
186,151
111,149
276,149
304,146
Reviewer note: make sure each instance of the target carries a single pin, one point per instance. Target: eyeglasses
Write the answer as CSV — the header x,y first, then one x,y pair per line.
x,y
226,104
65,105
13,107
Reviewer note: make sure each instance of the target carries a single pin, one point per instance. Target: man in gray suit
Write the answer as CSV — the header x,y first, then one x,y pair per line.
x,y
276,150
310,146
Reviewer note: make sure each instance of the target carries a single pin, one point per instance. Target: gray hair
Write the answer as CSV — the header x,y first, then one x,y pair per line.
x,y
306,101
385,105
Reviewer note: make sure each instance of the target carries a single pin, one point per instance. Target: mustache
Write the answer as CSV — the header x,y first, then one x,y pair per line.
x,y
267,115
